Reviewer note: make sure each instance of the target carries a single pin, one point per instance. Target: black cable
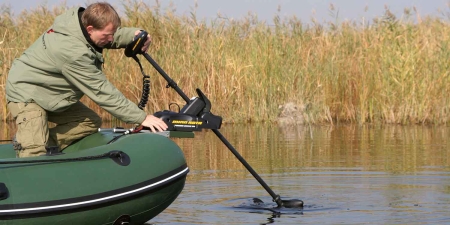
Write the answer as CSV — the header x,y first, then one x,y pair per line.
x,y
175,105
145,85
145,91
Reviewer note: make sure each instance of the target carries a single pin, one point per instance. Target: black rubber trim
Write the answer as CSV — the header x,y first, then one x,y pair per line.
x,y
89,206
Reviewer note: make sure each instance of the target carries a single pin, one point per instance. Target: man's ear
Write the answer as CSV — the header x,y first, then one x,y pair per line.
x,y
89,29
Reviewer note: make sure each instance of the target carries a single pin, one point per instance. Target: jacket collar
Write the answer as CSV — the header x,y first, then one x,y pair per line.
x,y
85,33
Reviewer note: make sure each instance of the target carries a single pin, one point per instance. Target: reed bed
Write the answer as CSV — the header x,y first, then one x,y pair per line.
x,y
389,70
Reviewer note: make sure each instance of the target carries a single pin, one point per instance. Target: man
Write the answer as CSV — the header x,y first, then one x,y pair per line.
x,y
47,81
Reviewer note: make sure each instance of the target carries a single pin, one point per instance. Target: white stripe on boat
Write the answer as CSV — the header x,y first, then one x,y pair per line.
x,y
96,200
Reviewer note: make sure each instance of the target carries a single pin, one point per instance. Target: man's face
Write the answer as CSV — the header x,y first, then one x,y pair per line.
x,y
103,36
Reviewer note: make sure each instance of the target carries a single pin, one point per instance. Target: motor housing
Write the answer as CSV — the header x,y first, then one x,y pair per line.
x,y
185,122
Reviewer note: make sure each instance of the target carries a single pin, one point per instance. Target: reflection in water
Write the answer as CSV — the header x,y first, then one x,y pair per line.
x,y
344,174
393,149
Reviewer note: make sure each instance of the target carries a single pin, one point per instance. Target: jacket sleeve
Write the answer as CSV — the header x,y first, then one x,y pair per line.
x,y
122,37
82,73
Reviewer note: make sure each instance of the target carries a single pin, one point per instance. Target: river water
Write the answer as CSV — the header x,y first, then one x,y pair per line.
x,y
345,174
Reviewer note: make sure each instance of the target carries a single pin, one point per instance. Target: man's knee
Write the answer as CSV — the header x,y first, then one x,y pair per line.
x,y
98,122
32,131
95,121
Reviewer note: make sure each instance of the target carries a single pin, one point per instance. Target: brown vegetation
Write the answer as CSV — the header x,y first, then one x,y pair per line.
x,y
387,71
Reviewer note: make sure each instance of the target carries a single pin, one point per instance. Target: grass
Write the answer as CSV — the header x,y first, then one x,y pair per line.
x,y
387,71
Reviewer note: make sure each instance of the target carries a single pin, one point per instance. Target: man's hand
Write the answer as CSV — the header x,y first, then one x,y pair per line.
x,y
154,123
147,43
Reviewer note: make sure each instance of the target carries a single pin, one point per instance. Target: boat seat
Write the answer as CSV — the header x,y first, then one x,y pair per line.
x,y
3,191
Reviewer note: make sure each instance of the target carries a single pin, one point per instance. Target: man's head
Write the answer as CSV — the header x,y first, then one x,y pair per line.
x,y
101,22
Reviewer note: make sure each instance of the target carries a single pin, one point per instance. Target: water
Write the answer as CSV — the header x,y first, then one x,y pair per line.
x,y
344,175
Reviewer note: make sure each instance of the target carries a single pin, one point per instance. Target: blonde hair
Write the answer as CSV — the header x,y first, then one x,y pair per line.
x,y
99,15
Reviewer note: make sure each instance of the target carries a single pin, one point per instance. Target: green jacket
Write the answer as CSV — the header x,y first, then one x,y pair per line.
x,y
61,66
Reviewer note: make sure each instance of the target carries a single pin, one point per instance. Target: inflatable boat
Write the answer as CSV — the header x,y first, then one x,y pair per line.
x,y
105,178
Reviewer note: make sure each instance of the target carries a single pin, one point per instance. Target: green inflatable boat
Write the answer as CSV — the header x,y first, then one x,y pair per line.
x,y
105,178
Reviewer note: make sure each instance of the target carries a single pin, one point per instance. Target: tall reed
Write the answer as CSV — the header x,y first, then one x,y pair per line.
x,y
388,70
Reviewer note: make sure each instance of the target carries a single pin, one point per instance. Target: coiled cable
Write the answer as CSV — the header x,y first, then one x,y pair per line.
x,y
145,91
145,86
